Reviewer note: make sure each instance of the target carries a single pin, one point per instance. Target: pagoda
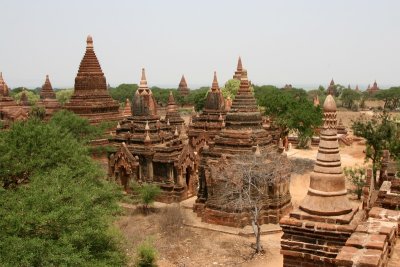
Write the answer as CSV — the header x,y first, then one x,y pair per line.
x,y
374,89
149,149
127,112
48,98
331,88
9,109
239,70
183,88
91,98
315,232
243,136
172,116
205,126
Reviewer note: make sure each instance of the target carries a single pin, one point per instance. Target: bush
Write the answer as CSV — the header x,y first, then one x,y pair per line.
x,y
356,176
146,255
148,194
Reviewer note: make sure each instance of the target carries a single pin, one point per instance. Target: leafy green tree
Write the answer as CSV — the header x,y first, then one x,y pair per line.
x,y
123,91
292,112
230,88
79,127
391,97
148,194
32,96
63,216
64,95
198,97
348,98
33,146
356,177
380,133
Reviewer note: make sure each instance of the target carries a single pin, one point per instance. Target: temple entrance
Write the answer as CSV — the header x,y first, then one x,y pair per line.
x,y
123,179
189,183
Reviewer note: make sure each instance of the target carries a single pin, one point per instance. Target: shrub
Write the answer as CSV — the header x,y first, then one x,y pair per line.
x,y
356,176
148,194
146,255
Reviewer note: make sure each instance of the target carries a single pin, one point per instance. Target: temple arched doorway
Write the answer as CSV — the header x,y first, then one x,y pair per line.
x,y
124,178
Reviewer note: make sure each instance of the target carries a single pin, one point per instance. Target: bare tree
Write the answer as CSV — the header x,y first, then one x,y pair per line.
x,y
245,184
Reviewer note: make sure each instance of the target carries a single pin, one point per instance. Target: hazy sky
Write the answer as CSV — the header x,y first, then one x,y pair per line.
x,y
302,42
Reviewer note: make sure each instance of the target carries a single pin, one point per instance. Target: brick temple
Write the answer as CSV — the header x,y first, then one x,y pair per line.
x,y
172,116
205,126
48,98
9,109
91,98
242,136
150,149
183,88
331,90
373,89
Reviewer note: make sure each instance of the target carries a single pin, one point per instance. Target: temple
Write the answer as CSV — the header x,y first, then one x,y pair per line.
x,y
183,88
48,99
206,125
172,116
91,98
374,89
127,111
9,109
243,137
149,149
315,232
331,88
239,70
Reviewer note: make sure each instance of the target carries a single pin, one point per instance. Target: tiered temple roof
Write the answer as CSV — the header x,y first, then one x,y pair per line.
x,y
212,119
173,116
183,88
155,142
243,124
48,98
47,90
373,89
91,98
9,109
243,135
331,89
127,112
239,70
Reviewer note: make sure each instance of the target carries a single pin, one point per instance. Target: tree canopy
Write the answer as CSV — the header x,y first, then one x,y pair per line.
x,y
55,205
291,111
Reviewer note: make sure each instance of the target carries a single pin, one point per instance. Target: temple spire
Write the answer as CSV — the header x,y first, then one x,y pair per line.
x,y
327,192
143,81
89,42
215,85
47,91
239,65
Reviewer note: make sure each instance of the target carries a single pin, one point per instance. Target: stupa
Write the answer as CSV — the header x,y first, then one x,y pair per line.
x,y
127,112
331,88
172,116
374,89
243,135
239,70
183,88
48,98
206,125
149,149
9,109
315,232
91,98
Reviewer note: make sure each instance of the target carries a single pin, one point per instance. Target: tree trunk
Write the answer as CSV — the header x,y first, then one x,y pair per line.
x,y
257,233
